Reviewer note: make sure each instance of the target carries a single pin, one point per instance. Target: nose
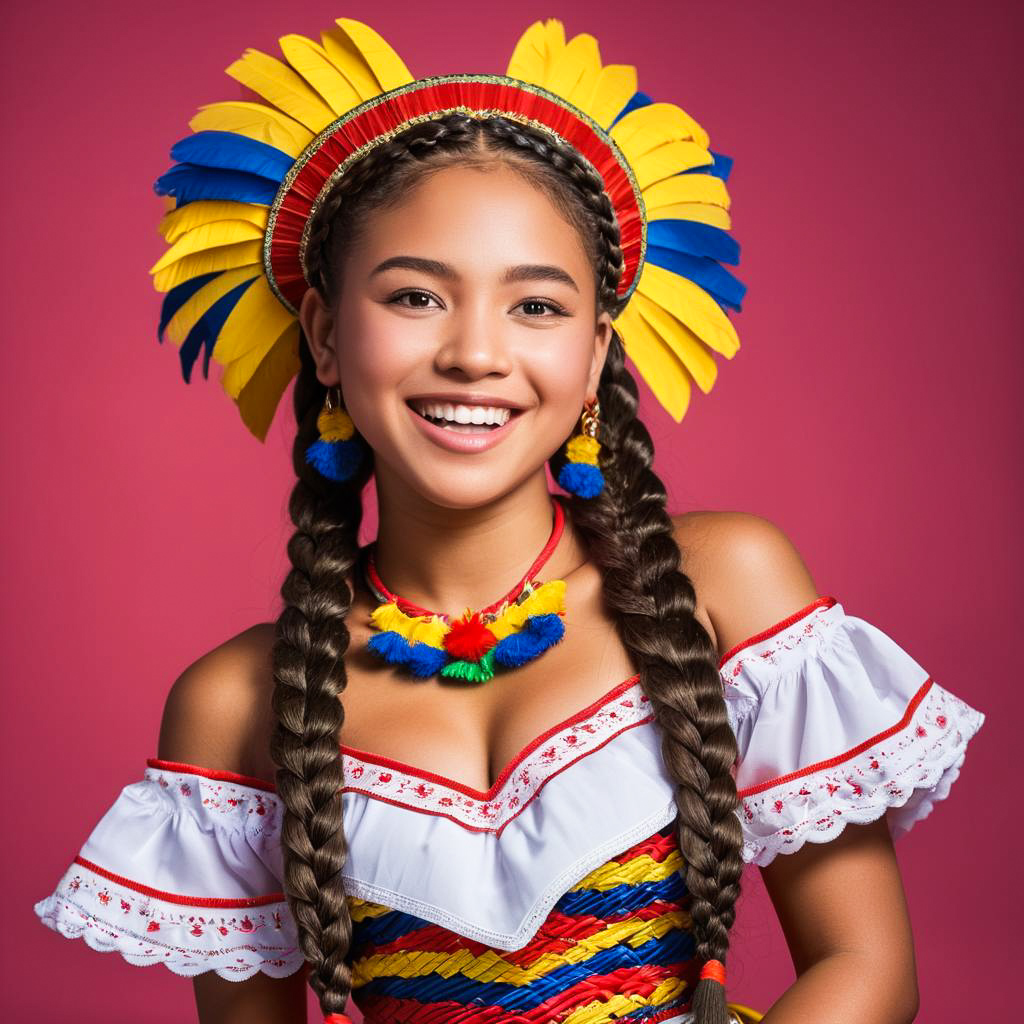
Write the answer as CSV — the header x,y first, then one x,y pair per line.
x,y
474,346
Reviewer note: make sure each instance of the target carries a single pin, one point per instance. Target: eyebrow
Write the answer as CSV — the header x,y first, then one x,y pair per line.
x,y
513,275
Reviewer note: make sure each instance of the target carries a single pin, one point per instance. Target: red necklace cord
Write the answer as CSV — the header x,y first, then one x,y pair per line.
x,y
414,609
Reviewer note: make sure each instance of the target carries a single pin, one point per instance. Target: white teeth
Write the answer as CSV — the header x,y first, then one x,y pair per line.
x,y
474,414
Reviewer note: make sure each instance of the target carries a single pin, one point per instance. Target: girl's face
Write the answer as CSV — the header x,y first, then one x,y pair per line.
x,y
465,337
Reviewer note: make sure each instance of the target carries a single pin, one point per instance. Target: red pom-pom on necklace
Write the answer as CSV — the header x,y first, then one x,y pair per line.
x,y
468,638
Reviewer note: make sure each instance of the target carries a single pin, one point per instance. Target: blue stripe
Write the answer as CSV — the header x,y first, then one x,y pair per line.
x,y
384,929
673,948
178,296
207,327
726,289
189,182
231,152
622,898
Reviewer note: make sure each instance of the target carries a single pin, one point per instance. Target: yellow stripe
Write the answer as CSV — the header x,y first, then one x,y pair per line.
x,y
491,966
633,872
603,1010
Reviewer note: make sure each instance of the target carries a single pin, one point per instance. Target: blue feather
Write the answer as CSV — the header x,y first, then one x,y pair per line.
x,y
177,297
389,645
207,327
189,182
231,152
581,479
638,99
695,238
335,460
538,634
711,276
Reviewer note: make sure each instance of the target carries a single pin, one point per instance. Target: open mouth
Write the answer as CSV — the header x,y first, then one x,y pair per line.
x,y
463,419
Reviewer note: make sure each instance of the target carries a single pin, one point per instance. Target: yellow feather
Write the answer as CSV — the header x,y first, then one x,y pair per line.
x,y
186,318
311,61
584,49
224,257
176,222
683,342
261,396
687,188
646,127
254,121
578,59
257,319
548,597
388,68
672,158
692,306
656,363
279,85
554,40
208,236
429,631
527,60
343,54
239,372
613,89
702,212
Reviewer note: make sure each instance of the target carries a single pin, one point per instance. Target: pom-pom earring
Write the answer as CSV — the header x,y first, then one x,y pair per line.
x,y
336,454
581,475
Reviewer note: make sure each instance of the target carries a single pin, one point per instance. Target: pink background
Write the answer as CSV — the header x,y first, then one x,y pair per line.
x,y
870,411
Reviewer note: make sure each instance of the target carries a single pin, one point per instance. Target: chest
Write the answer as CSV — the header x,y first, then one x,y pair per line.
x,y
473,733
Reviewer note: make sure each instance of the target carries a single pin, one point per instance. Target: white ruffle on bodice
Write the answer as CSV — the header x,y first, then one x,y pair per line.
x,y
835,724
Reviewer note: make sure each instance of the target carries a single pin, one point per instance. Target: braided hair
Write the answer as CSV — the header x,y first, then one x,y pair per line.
x,y
626,528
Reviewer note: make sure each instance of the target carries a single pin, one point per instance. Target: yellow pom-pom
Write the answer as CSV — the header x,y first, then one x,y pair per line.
x,y
335,425
583,448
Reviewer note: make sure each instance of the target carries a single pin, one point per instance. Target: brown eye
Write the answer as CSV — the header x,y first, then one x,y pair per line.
x,y
417,299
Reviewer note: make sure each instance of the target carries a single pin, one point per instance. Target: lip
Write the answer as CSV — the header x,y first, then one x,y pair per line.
x,y
464,398
464,443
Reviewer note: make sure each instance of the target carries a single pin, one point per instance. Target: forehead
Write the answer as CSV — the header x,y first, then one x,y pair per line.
x,y
481,217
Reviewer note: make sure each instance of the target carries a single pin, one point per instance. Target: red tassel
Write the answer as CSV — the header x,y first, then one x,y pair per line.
x,y
468,639
338,1018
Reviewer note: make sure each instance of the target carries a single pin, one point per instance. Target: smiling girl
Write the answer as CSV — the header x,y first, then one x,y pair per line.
x,y
505,763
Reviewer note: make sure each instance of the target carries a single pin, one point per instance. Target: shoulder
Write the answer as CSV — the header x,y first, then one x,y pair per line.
x,y
747,573
218,712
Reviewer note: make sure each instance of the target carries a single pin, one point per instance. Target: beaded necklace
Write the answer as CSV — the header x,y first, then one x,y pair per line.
x,y
514,630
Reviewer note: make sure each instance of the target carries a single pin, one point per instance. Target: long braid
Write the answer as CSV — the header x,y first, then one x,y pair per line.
x,y
309,676
627,529
630,535
629,532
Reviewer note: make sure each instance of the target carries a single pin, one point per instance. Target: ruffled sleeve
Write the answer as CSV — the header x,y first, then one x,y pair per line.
x,y
184,869
836,723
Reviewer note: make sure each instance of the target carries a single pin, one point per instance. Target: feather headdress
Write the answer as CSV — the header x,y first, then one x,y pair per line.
x,y
249,179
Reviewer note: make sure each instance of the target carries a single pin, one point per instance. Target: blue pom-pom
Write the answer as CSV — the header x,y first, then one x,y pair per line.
x,y
581,478
336,460
538,634
425,661
390,646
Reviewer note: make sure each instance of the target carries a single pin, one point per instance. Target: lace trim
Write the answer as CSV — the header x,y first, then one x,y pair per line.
x,y
433,794
808,627
145,931
912,768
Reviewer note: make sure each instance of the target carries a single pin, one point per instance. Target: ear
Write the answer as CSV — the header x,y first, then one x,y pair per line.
x,y
317,322
602,339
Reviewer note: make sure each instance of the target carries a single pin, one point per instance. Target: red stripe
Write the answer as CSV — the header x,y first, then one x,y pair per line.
x,y
222,776
170,897
852,752
821,602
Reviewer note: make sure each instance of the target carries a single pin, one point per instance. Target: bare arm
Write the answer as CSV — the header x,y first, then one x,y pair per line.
x,y
843,911
840,904
216,716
